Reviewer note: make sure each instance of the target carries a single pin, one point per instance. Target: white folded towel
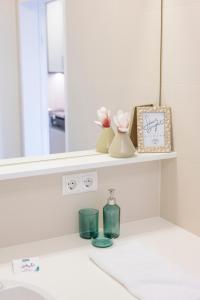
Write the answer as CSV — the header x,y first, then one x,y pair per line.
x,y
146,275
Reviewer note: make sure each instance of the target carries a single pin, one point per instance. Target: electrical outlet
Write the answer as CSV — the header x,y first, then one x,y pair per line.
x,y
89,182
71,184
80,183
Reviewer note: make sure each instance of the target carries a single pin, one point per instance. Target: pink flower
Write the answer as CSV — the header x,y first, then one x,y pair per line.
x,y
122,121
104,117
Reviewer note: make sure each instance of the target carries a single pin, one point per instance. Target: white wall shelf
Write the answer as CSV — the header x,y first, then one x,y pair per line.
x,y
74,164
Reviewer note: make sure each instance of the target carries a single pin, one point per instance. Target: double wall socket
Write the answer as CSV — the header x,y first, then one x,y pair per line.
x,y
80,183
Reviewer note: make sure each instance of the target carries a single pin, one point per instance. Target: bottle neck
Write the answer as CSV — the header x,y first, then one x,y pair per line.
x,y
111,199
111,202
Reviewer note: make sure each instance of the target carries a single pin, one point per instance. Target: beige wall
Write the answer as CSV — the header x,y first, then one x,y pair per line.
x,y
10,145
34,208
113,60
180,194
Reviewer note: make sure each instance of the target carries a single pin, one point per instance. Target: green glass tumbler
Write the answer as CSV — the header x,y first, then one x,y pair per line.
x,y
88,223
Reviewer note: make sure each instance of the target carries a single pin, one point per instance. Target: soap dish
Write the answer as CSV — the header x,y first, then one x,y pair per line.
x,y
102,242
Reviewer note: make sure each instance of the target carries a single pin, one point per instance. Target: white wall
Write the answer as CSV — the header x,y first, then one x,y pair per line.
x,y
10,121
181,74
56,91
33,77
113,60
54,29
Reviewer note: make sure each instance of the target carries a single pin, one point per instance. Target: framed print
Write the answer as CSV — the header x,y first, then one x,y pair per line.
x,y
133,124
154,129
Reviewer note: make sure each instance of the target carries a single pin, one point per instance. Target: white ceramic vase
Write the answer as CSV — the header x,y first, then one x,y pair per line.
x,y
105,139
122,146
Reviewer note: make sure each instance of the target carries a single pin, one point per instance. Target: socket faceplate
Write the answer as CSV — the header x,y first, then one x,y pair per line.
x,y
80,183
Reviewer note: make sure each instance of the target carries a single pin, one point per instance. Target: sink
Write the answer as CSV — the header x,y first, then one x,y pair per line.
x,y
10,290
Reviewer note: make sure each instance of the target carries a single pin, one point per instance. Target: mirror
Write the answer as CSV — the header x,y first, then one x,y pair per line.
x,y
61,60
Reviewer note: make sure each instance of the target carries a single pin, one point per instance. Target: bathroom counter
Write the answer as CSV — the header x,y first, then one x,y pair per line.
x,y
67,273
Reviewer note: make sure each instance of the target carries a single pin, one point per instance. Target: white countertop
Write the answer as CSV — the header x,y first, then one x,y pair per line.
x,y
67,273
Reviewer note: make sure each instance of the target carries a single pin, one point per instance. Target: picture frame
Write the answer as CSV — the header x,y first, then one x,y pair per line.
x,y
154,128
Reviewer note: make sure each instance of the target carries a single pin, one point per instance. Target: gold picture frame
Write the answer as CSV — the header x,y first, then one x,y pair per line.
x,y
154,128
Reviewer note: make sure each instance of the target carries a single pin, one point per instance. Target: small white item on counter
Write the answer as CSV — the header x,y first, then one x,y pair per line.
x,y
26,265
146,274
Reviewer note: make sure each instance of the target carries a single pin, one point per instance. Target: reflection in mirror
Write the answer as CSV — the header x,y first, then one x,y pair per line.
x,y
61,60
42,76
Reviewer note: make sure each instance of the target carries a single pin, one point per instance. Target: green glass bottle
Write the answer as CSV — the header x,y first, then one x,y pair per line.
x,y
111,217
